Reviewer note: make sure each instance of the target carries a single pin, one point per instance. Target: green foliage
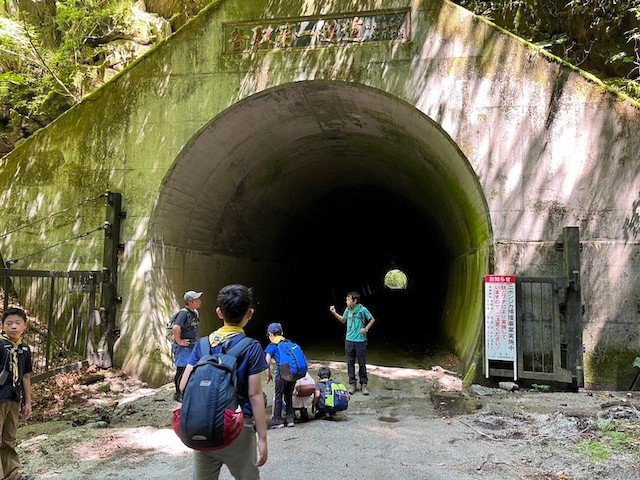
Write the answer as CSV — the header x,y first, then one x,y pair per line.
x,y
636,362
38,82
540,388
395,279
40,79
87,25
599,36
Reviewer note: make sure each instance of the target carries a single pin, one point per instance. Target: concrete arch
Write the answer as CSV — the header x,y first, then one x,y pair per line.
x,y
323,185
482,140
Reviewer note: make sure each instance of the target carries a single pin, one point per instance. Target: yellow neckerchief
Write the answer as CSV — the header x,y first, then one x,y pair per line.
x,y
223,334
277,339
14,355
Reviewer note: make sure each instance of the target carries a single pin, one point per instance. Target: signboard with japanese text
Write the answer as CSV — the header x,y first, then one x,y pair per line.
x,y
500,320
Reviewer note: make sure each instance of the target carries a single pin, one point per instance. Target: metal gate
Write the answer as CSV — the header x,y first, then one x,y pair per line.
x,y
549,323
65,327
542,326
72,313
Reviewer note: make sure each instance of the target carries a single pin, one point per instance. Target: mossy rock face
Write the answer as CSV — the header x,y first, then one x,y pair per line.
x,y
610,368
169,8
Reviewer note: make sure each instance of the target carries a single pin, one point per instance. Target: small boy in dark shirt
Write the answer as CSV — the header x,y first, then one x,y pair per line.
x,y
15,388
324,407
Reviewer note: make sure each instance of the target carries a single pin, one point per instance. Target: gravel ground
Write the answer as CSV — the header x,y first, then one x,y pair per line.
x,y
416,424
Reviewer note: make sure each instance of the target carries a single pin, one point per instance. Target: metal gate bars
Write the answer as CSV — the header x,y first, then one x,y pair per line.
x,y
64,325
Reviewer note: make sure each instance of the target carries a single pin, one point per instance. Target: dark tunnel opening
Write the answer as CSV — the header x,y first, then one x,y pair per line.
x,y
350,183
347,241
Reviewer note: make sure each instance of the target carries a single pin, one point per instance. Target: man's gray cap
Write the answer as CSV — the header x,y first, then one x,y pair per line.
x,y
191,295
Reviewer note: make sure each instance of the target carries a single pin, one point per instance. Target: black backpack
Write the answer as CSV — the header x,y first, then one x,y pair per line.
x,y
210,417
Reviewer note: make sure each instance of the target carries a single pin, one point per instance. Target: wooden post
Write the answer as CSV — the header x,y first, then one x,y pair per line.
x,y
571,267
112,246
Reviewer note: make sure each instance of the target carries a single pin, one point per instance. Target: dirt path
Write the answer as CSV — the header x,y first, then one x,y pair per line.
x,y
416,424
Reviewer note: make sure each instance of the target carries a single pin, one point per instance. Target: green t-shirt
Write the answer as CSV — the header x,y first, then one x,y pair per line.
x,y
356,318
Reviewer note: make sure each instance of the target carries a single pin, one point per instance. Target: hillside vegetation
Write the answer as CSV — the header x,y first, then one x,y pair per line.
x,y
599,36
54,53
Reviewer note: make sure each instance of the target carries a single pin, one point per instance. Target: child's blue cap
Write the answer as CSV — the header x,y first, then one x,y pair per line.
x,y
275,328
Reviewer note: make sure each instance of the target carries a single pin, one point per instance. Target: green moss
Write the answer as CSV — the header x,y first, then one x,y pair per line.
x,y
470,374
104,388
155,355
610,368
611,437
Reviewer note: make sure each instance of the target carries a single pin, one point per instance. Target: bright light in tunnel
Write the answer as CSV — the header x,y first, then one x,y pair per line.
x,y
395,279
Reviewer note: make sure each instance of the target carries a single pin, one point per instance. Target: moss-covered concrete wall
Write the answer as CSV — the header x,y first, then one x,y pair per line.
x,y
545,145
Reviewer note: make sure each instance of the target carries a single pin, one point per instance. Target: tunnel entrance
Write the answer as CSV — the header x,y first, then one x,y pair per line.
x,y
308,191
347,241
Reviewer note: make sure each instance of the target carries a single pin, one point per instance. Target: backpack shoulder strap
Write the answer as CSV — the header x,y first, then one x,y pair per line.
x,y
6,345
174,317
205,346
238,348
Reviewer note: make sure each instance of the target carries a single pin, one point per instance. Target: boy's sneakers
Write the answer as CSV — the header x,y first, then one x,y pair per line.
x,y
365,390
275,423
352,389
290,422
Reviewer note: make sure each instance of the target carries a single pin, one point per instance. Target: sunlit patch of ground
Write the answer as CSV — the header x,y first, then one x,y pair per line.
x,y
142,439
445,378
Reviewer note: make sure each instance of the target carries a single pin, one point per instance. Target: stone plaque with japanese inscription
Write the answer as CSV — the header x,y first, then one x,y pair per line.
x,y
316,32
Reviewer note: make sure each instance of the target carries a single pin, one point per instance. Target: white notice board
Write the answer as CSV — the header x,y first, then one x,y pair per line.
x,y
500,320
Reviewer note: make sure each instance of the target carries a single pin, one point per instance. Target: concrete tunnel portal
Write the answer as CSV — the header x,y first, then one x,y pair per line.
x,y
335,184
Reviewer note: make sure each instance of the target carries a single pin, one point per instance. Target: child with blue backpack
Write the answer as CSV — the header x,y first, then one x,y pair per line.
x,y
283,388
330,397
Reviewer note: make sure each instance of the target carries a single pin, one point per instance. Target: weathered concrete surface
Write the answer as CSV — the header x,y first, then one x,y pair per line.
x,y
307,173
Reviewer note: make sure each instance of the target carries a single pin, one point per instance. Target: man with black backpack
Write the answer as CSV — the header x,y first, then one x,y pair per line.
x,y
185,333
240,455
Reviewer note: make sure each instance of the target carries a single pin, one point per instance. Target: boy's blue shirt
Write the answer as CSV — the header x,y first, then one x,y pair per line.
x,y
356,318
272,350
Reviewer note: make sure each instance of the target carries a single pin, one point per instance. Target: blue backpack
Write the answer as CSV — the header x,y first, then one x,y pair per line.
x,y
291,361
210,417
334,398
